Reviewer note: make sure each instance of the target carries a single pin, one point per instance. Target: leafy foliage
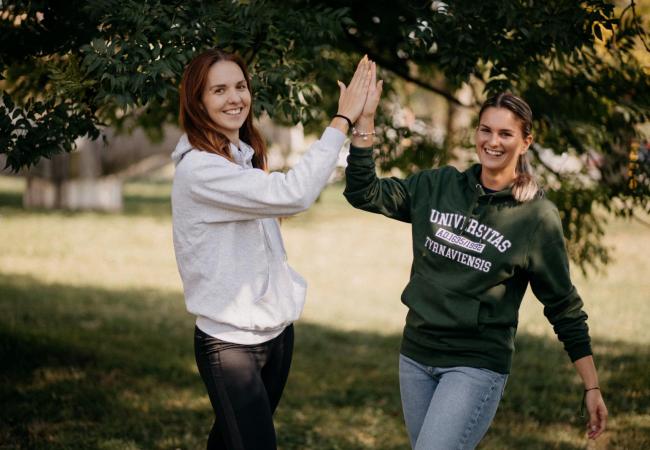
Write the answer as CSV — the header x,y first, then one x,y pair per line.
x,y
122,61
70,67
577,65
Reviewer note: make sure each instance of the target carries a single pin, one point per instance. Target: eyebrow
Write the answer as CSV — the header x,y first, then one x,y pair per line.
x,y
224,85
502,129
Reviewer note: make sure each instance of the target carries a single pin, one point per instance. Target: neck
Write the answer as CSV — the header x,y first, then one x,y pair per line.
x,y
234,140
231,135
496,181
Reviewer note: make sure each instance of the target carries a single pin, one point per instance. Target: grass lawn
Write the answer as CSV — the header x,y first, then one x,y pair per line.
x,y
96,345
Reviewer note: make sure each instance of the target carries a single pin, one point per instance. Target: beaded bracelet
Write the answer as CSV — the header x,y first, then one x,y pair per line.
x,y
362,134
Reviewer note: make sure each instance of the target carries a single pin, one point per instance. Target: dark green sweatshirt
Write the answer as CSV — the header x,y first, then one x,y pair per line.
x,y
474,255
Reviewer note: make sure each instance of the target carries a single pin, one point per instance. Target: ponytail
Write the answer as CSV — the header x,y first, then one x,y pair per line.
x,y
525,187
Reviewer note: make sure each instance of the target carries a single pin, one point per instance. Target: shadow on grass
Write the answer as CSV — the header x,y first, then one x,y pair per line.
x,y
92,368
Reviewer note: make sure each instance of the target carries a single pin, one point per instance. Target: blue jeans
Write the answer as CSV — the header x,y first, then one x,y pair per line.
x,y
448,408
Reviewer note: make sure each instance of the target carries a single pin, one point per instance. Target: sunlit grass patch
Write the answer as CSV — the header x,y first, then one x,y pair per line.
x,y
98,351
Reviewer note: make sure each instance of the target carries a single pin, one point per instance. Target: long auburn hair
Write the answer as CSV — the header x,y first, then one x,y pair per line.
x,y
525,187
194,119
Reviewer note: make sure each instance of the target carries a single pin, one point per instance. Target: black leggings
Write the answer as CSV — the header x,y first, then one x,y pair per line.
x,y
244,383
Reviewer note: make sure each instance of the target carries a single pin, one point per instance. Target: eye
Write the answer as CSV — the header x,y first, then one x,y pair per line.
x,y
218,90
241,87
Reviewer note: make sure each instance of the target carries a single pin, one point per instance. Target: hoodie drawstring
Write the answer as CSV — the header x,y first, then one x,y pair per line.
x,y
477,193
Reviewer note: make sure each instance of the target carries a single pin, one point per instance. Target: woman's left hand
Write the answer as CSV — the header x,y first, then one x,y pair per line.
x,y
374,94
597,413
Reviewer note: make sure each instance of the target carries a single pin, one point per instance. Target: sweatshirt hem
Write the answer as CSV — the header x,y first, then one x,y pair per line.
x,y
236,335
482,351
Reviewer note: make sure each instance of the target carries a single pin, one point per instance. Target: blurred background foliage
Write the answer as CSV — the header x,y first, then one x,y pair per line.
x,y
69,68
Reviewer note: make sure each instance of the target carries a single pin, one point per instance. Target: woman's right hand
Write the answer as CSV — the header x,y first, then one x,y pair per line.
x,y
353,96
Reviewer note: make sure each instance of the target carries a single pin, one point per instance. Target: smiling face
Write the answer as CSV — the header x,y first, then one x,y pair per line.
x,y
226,98
499,142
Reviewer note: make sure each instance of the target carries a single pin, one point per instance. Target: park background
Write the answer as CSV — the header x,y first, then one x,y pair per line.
x,y
95,342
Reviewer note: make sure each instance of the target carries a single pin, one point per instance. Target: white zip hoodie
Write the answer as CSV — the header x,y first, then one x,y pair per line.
x,y
227,239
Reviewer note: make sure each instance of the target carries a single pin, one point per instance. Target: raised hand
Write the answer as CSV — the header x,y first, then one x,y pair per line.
x,y
353,97
365,125
374,94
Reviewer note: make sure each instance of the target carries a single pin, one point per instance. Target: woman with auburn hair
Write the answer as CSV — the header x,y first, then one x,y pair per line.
x,y
228,245
480,237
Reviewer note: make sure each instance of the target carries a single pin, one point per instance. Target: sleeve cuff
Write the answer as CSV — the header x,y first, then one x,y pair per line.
x,y
579,351
360,150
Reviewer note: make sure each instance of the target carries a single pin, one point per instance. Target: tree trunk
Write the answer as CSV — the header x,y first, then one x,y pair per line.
x,y
73,181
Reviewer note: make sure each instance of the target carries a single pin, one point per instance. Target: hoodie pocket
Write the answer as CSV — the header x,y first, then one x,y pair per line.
x,y
441,308
282,302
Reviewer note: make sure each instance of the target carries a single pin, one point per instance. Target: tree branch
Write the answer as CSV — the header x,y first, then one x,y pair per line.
x,y
403,72
640,30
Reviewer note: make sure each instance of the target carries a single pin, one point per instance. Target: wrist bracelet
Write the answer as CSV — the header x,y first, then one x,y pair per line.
x,y
350,126
362,134
584,396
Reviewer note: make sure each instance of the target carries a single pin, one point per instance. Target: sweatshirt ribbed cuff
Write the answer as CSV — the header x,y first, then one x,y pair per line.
x,y
360,150
579,351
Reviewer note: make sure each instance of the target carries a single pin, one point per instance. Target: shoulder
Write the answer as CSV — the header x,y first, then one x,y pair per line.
x,y
546,217
444,172
437,175
195,159
541,206
198,165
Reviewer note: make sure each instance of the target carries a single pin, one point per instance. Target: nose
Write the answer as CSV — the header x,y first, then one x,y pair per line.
x,y
493,141
234,96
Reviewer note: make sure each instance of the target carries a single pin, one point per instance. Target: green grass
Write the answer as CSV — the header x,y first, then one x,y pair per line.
x,y
96,346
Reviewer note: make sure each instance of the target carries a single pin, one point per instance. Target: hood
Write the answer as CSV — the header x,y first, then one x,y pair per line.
x,y
479,197
473,179
181,149
242,155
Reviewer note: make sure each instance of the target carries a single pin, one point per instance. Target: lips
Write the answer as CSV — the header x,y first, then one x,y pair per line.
x,y
495,153
233,111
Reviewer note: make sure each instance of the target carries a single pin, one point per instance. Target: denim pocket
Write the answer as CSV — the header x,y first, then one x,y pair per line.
x,y
441,308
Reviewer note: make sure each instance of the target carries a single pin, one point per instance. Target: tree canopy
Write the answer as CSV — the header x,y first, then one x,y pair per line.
x,y
70,67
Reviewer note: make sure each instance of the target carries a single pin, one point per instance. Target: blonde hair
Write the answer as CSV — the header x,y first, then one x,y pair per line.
x,y
525,187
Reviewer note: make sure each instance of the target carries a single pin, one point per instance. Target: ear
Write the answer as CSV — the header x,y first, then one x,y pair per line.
x,y
528,140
